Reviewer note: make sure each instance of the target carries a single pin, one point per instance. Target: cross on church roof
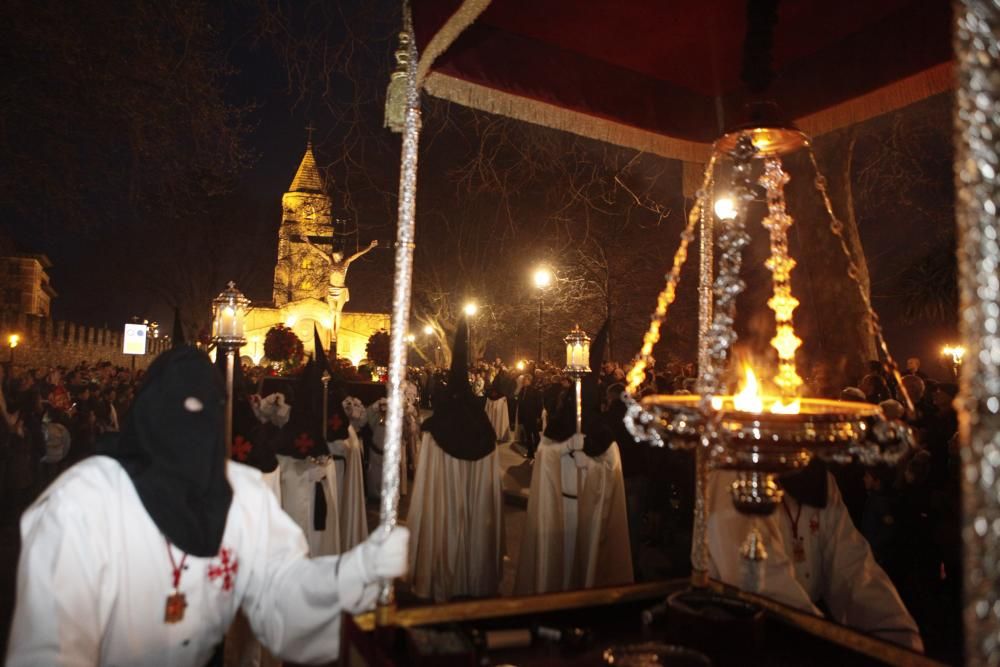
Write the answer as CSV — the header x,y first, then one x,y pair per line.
x,y
310,129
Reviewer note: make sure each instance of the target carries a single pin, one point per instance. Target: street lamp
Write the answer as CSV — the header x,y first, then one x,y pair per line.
x,y
229,311
12,341
470,309
957,354
428,330
542,279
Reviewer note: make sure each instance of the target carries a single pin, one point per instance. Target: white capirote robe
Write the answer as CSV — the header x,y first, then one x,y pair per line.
x,y
576,529
347,456
94,576
838,568
376,420
499,417
456,525
298,499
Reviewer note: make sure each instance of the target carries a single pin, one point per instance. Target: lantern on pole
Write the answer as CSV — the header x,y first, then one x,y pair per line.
x,y
229,311
578,365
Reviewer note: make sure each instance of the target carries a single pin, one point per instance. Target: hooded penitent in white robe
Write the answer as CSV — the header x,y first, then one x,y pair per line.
x,y
351,485
298,499
576,529
496,410
456,525
838,566
376,420
95,572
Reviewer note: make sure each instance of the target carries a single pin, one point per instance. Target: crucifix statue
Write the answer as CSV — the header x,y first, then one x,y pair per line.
x,y
338,296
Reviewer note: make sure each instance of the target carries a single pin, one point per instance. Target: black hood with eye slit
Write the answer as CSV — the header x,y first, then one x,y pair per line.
x,y
172,446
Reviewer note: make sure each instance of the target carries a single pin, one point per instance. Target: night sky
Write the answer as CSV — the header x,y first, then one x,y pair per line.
x,y
97,284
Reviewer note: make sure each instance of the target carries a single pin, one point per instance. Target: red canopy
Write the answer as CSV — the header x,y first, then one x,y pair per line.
x,y
664,76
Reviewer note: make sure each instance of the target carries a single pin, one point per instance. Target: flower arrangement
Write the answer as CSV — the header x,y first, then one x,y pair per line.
x,y
284,350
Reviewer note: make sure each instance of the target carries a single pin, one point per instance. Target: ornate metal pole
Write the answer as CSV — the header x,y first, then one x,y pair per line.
x,y
400,311
977,126
230,351
699,545
326,401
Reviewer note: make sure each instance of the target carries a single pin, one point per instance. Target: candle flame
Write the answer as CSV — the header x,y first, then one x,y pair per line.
x,y
748,399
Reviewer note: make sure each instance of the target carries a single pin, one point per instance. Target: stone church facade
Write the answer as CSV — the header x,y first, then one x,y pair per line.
x,y
301,277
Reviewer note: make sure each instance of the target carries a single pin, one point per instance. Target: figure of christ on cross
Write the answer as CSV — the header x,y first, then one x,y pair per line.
x,y
338,296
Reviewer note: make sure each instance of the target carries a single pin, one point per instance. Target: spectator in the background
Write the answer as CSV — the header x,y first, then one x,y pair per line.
x,y
875,388
913,368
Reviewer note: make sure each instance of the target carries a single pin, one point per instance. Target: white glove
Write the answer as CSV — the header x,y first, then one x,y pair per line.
x,y
385,556
575,443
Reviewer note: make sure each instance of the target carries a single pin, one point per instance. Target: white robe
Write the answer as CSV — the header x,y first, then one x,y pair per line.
x,y
456,525
570,543
499,417
94,575
376,420
351,487
298,499
838,568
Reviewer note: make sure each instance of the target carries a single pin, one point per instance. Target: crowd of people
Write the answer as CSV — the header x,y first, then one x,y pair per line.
x,y
52,417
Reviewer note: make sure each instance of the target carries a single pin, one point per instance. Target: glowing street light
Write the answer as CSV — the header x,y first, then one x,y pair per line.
x,y
542,277
410,338
12,341
725,208
470,309
428,330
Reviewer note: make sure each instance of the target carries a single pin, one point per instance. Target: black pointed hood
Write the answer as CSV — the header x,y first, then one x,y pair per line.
x,y
808,485
254,444
302,436
336,417
172,445
177,335
458,375
459,424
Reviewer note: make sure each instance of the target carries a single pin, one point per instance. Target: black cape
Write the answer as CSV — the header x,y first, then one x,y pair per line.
x,y
459,424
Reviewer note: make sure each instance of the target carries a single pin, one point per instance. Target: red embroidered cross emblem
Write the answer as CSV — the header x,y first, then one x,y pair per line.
x,y
303,443
814,525
241,448
335,422
225,570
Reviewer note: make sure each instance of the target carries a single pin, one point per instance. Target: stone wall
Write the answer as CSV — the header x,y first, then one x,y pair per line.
x,y
45,342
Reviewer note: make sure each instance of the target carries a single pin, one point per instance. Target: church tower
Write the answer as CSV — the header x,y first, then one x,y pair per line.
x,y
301,272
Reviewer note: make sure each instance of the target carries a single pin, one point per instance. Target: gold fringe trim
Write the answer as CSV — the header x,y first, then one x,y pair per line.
x,y
937,79
463,17
502,103
904,92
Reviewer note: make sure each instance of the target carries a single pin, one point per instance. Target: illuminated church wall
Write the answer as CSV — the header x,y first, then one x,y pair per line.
x,y
301,277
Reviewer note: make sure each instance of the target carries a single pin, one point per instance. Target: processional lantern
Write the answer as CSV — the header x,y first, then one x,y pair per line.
x,y
229,311
765,427
578,365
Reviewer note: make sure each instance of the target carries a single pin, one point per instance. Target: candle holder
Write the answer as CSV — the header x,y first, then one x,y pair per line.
x,y
577,365
759,437
229,311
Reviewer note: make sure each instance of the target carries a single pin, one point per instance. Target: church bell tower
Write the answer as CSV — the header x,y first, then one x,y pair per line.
x,y
301,271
